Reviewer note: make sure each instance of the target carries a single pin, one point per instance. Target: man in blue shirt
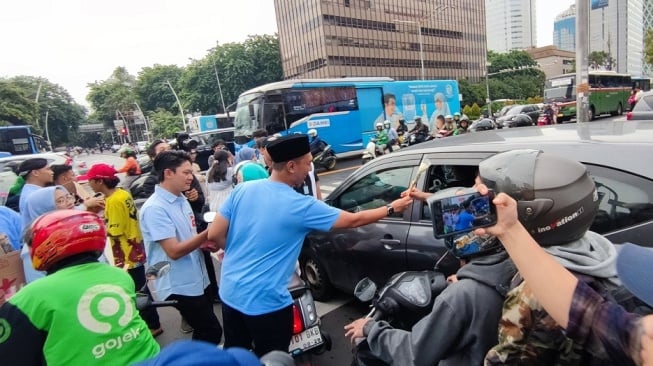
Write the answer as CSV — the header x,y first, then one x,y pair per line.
x,y
37,174
465,219
170,234
262,226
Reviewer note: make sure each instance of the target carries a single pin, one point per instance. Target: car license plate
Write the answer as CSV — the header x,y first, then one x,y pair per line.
x,y
305,340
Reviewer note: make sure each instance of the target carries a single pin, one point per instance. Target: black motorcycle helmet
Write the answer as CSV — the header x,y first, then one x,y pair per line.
x,y
556,198
485,124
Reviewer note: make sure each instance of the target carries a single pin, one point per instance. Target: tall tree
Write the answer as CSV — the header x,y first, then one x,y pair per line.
x,y
152,90
112,95
648,46
16,108
164,124
54,106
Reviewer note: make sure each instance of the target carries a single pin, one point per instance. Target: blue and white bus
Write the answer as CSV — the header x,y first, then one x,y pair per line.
x,y
343,111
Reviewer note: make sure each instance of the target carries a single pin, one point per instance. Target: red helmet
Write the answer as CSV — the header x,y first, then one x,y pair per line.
x,y
63,233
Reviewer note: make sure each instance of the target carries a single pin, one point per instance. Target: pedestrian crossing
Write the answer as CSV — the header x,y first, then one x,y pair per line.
x,y
327,189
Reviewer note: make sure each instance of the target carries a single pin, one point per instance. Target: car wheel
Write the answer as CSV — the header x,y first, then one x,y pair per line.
x,y
590,114
314,274
620,110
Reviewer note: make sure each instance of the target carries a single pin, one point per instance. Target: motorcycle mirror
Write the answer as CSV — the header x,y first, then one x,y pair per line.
x,y
365,289
209,217
157,270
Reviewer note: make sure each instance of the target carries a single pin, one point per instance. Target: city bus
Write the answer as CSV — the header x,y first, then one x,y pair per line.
x,y
343,111
19,140
642,82
211,122
608,93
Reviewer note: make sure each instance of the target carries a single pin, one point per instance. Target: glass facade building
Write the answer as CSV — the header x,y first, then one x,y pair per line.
x,y
511,25
564,30
348,38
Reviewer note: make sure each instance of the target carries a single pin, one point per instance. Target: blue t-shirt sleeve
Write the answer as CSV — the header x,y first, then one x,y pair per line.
x,y
320,216
157,223
227,206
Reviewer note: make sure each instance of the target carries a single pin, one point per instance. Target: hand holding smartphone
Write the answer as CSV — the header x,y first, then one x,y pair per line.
x,y
458,214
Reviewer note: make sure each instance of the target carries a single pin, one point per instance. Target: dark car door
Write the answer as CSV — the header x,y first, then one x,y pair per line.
x,y
643,109
446,170
374,250
532,112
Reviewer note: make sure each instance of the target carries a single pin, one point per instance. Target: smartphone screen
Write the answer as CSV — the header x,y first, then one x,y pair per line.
x,y
462,213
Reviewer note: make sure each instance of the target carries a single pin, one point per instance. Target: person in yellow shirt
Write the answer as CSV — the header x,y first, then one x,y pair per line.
x,y
123,231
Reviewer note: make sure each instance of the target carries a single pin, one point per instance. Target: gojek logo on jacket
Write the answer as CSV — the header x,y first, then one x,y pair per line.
x,y
107,308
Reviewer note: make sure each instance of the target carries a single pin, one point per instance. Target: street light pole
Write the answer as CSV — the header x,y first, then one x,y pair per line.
x,y
421,44
181,110
487,89
224,109
147,128
47,131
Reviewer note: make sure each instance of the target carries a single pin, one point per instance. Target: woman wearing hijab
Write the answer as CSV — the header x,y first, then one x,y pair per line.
x,y
42,201
245,154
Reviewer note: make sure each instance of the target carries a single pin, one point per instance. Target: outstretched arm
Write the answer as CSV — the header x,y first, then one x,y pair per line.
x,y
551,283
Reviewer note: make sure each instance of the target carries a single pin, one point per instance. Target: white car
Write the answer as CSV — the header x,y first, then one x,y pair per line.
x,y
142,146
11,163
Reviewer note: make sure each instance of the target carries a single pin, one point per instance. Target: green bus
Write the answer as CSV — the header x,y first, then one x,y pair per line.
x,y
608,93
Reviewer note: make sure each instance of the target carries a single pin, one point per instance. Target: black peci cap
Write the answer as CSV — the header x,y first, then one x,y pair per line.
x,y
287,147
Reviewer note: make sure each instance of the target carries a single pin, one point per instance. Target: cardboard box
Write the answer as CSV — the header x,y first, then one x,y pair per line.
x,y
12,277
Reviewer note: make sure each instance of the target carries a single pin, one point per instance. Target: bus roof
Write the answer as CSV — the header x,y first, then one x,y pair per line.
x,y
285,84
592,72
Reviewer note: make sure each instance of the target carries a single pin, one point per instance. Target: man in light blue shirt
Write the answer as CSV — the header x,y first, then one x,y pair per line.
x,y
37,174
262,226
169,232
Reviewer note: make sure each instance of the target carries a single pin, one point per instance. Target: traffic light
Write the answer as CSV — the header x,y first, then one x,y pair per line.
x,y
124,131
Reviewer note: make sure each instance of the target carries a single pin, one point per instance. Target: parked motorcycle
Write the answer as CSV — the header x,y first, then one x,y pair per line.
x,y
325,158
308,336
402,301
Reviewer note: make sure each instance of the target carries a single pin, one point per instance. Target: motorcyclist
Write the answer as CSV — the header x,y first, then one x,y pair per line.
x,y
548,111
317,144
449,127
464,124
393,137
420,130
462,325
401,129
381,137
83,312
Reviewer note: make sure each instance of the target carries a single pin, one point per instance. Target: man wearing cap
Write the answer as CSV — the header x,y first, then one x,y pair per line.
x,y
123,231
262,238
35,173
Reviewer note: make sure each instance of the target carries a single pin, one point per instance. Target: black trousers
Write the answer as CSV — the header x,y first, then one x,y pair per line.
x,y
267,332
210,269
150,315
198,312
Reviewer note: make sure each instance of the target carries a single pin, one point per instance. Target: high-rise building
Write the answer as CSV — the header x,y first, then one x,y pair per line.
x,y
394,38
618,29
564,30
511,24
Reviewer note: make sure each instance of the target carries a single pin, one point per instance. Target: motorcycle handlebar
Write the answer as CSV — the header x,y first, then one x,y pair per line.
x,y
158,304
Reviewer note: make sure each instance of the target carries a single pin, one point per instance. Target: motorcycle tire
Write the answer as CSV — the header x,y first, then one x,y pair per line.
x,y
329,163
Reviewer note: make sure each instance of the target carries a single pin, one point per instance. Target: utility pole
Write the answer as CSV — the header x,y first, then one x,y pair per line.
x,y
582,76
224,109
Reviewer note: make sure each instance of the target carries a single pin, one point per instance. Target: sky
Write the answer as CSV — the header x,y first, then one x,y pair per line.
x,y
76,42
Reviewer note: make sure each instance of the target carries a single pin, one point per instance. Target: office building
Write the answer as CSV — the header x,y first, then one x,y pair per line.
x,y
564,30
393,38
511,25
618,29
552,61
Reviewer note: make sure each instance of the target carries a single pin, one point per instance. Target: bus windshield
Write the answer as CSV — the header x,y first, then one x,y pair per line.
x,y
246,114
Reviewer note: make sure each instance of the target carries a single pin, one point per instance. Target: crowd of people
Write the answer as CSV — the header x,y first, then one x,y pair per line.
x,y
523,294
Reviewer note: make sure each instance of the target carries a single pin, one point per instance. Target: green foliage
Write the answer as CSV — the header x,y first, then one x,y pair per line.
x,y
164,124
18,107
601,60
240,66
151,88
475,112
111,95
